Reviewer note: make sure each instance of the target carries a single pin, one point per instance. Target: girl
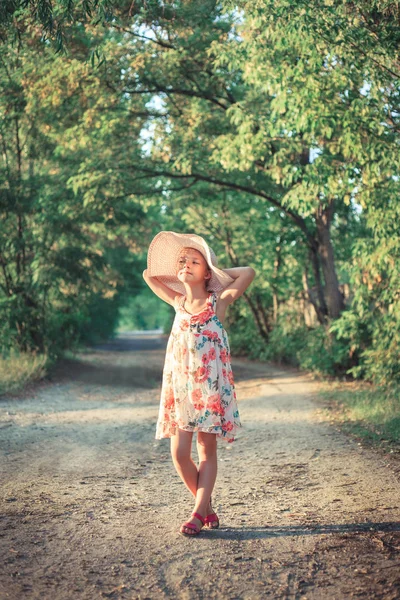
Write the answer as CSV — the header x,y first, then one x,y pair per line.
x,y
198,392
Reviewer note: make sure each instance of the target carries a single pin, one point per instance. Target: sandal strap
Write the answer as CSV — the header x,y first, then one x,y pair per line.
x,y
211,518
199,517
191,526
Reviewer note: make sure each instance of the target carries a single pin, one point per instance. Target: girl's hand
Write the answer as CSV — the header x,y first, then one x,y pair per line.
x,y
243,277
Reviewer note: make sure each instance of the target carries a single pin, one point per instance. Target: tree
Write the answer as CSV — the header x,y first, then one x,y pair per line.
x,y
56,248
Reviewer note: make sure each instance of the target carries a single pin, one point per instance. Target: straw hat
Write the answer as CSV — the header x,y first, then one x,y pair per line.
x,y
162,260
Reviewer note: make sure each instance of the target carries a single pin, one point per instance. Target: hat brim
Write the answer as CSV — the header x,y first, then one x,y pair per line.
x,y
163,256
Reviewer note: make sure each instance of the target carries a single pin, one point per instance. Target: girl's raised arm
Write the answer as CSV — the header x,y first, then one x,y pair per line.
x,y
161,290
243,277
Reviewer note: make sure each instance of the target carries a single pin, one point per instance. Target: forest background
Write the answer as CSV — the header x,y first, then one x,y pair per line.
x,y
270,127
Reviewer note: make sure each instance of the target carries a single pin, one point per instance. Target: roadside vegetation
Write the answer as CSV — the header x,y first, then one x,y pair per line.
x,y
367,411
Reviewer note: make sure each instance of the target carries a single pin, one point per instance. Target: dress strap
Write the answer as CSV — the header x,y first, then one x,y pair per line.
x,y
178,301
213,300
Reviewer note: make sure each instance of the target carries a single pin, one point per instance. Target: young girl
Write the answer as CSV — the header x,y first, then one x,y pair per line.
x,y
198,392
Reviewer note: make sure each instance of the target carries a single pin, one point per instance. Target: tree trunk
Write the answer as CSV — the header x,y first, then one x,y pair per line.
x,y
275,302
309,296
320,307
277,265
258,318
333,296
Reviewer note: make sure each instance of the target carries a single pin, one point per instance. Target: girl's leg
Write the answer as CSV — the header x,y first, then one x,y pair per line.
x,y
181,447
207,451
181,450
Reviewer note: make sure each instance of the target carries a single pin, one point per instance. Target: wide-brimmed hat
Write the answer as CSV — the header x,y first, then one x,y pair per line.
x,y
163,254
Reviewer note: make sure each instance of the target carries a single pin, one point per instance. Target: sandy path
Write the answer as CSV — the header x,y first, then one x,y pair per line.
x,y
91,504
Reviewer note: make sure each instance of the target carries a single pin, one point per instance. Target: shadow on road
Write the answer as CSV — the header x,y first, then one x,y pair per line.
x,y
299,530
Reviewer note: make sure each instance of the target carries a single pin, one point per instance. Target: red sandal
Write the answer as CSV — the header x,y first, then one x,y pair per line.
x,y
196,529
212,518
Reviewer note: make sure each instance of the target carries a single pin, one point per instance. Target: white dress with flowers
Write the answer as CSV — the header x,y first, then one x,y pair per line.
x,y
198,391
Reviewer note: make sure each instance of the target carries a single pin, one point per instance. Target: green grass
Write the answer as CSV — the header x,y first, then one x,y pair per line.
x,y
20,368
365,410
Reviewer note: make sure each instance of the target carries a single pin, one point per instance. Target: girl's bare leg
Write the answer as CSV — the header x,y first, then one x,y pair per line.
x,y
181,449
207,451
207,474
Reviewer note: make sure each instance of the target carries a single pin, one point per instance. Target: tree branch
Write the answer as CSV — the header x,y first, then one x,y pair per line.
x,y
144,37
297,219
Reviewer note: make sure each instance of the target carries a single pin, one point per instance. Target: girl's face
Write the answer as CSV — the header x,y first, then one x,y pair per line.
x,y
192,267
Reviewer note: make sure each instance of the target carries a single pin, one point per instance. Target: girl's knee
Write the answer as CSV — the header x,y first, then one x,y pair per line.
x,y
207,444
180,454
181,446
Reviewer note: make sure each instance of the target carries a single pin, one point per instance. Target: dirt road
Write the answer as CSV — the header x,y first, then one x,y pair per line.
x,y
91,504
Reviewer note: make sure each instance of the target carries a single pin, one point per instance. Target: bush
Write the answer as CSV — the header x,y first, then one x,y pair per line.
x,y
19,368
369,411
371,327
314,349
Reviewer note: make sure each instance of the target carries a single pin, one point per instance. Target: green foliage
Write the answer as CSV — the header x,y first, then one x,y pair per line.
x,y
369,411
244,338
312,349
20,368
371,328
144,311
53,17
323,353
67,255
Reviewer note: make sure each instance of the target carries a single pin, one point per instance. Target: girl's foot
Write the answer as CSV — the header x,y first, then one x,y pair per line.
x,y
211,519
194,526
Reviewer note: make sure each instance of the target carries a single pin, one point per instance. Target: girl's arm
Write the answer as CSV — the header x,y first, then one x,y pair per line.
x,y
243,277
161,290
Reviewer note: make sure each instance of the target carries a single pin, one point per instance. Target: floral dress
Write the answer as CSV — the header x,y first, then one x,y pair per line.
x,y
198,392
